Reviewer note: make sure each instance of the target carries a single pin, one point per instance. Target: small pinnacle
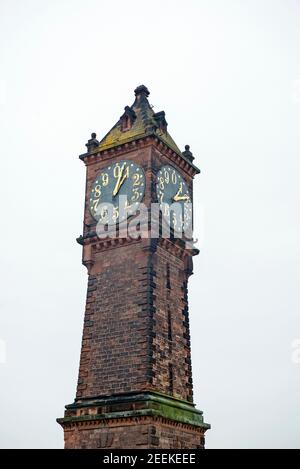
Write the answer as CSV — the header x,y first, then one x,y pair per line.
x,y
187,153
142,90
92,142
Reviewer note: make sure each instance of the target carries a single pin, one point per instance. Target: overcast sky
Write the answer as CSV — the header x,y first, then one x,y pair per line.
x,y
227,74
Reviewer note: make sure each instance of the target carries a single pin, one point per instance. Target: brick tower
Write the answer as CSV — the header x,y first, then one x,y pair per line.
x,y
135,378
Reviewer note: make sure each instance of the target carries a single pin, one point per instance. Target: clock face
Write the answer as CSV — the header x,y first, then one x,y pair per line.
x,y
117,192
174,198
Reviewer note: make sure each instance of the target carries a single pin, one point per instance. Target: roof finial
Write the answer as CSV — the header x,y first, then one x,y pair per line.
x,y
187,153
92,142
142,90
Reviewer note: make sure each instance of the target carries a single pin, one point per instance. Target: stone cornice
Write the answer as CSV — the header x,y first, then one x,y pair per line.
x,y
137,143
134,407
175,246
149,416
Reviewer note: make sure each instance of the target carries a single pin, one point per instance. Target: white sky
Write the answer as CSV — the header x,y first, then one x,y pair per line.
x,y
227,74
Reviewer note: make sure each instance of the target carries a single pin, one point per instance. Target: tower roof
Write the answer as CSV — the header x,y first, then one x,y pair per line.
x,y
137,121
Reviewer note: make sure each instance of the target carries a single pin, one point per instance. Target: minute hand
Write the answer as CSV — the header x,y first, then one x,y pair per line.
x,y
119,181
115,192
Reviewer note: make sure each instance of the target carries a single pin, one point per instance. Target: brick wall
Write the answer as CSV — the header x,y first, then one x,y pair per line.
x,y
115,345
172,373
136,333
136,326
143,433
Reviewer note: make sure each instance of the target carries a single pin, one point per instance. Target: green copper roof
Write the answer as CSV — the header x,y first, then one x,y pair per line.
x,y
137,121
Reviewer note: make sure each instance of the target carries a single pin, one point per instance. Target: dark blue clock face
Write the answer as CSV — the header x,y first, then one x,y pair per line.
x,y
117,192
174,198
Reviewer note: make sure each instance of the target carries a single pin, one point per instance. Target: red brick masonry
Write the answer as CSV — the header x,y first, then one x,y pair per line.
x,y
136,334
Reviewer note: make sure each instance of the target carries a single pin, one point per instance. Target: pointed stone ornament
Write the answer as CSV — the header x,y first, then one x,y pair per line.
x,y
188,154
92,142
138,121
142,91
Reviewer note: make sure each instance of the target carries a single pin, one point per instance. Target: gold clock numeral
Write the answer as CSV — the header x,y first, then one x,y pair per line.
x,y
180,189
126,172
137,179
161,183
97,190
174,178
166,210
105,179
177,221
95,204
103,213
167,177
160,197
117,170
115,214
127,205
136,194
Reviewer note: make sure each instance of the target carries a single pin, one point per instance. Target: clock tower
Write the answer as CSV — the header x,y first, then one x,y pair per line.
x,y
135,378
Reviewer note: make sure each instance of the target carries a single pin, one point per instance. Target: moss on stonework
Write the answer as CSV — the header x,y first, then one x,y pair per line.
x,y
136,405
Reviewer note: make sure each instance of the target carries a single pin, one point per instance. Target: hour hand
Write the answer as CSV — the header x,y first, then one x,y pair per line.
x,y
177,197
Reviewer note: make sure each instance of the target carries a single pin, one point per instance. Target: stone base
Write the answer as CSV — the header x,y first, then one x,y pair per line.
x,y
143,420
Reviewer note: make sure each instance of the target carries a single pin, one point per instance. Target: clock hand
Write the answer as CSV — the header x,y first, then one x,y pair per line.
x,y
177,197
119,183
178,192
122,181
